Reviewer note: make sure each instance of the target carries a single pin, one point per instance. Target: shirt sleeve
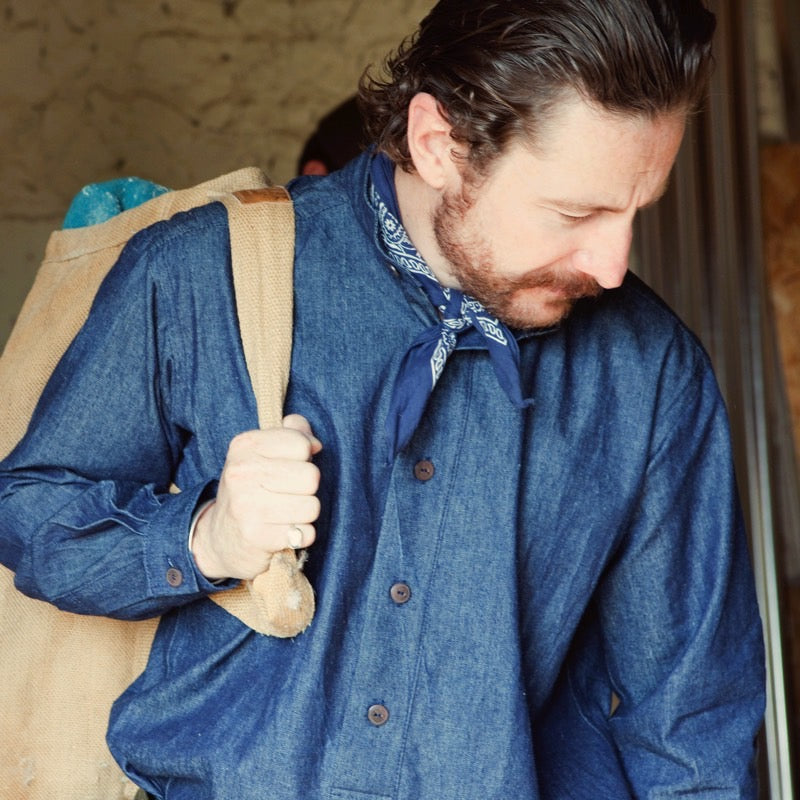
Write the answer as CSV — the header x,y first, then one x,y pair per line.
x,y
678,635
88,520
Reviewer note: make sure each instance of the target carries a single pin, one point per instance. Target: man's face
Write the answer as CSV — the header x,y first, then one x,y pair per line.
x,y
548,226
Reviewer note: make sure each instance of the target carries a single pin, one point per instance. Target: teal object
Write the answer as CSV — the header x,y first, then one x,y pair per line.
x,y
98,202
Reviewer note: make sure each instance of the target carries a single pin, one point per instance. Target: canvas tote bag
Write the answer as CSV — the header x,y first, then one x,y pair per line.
x,y
60,672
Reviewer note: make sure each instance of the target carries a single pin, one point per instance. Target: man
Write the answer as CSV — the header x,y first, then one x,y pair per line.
x,y
508,460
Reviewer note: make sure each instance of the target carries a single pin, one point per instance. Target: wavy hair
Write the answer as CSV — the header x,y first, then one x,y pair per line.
x,y
497,68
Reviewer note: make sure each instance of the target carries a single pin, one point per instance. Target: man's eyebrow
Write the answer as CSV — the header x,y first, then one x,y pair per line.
x,y
580,207
576,207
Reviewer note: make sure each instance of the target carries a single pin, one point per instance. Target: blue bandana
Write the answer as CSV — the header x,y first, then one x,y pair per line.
x,y
458,313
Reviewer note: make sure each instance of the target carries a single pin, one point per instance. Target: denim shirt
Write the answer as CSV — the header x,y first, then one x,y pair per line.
x,y
479,596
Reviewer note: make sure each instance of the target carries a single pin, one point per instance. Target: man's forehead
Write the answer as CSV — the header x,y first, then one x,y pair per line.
x,y
589,159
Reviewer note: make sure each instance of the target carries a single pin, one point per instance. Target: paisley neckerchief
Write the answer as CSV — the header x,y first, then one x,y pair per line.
x,y
424,362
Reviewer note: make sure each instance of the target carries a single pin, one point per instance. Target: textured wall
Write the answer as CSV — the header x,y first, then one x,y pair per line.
x,y
174,91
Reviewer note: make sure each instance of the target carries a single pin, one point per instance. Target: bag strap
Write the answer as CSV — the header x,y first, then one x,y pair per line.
x,y
262,252
261,225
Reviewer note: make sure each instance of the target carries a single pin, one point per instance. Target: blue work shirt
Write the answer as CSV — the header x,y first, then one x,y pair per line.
x,y
480,596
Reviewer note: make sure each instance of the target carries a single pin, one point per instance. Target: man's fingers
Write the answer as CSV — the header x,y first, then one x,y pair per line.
x,y
279,536
271,443
248,469
297,422
289,508
293,441
251,503
267,500
300,536
289,477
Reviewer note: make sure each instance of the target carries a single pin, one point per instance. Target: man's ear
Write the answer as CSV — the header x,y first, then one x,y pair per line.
x,y
429,142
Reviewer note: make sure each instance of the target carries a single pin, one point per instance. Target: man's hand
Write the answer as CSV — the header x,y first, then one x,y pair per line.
x,y
267,490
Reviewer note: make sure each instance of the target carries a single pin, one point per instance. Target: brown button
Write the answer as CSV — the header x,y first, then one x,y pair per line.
x,y
174,577
423,470
378,715
400,593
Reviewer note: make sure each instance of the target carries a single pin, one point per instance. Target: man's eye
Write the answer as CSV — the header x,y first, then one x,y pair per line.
x,y
574,218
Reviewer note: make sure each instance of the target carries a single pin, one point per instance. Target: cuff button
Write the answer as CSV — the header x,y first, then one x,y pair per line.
x,y
174,577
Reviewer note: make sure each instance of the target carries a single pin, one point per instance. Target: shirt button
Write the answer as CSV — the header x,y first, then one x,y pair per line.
x,y
174,577
400,593
423,470
378,715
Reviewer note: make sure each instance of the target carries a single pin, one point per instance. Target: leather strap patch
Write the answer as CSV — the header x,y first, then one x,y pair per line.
x,y
269,194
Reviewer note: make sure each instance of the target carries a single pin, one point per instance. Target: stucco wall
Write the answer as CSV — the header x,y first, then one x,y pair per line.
x,y
174,91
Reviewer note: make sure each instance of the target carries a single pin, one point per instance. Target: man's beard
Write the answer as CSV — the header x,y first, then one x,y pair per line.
x,y
537,299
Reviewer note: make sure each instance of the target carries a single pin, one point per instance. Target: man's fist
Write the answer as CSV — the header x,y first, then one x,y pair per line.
x,y
266,501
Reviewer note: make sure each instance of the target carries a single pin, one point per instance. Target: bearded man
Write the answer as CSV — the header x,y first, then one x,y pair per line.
x,y
508,460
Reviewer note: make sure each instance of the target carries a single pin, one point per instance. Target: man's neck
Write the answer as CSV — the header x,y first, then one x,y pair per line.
x,y
418,202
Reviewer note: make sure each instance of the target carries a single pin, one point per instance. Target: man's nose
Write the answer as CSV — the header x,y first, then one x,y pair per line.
x,y
605,258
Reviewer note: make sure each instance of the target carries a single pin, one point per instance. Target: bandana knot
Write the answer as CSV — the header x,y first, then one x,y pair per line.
x,y
425,360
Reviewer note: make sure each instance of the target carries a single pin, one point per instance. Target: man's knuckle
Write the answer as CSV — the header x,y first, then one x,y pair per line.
x,y
314,508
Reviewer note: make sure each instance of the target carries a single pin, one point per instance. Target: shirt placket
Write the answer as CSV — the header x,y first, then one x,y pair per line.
x,y
370,751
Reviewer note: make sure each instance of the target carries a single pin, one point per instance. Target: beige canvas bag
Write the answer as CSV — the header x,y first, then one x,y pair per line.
x,y
60,672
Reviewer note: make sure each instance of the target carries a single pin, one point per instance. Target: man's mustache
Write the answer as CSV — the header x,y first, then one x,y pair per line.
x,y
571,284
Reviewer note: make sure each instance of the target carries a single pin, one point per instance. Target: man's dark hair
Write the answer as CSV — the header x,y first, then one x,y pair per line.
x,y
497,68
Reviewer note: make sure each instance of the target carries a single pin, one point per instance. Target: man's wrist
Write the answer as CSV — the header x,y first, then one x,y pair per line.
x,y
198,514
201,509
